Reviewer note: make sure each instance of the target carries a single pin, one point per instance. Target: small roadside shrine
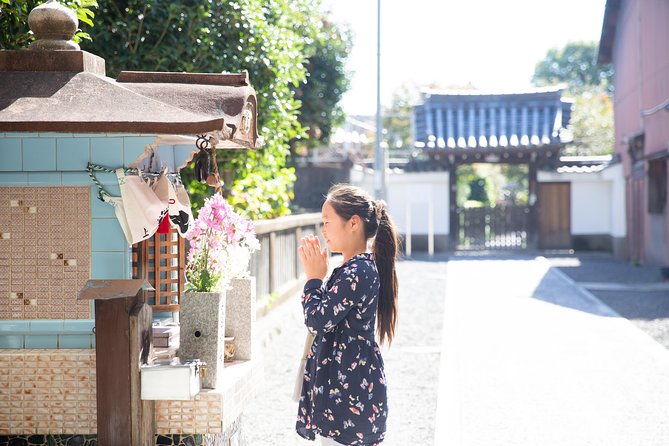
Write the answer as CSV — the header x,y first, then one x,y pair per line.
x,y
71,139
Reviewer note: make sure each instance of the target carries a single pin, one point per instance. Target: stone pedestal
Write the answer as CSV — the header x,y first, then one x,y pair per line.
x,y
202,321
240,316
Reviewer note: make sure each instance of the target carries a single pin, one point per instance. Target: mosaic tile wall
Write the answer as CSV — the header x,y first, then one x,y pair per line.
x,y
45,251
203,414
53,391
47,391
212,409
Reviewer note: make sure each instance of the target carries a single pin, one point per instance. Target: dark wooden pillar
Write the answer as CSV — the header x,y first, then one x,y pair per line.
x,y
123,342
454,220
533,205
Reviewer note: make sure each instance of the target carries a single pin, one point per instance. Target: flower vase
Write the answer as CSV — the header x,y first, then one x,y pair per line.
x,y
202,321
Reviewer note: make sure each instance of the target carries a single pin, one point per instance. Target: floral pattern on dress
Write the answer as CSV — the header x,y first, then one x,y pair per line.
x,y
344,384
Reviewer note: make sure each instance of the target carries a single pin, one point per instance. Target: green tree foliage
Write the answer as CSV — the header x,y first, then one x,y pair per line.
x,y
486,184
575,65
591,85
273,39
515,187
592,123
266,37
477,191
327,81
467,175
397,121
14,31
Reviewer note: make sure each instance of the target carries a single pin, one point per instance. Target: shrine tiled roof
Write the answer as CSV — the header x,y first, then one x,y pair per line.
x,y
53,86
469,119
39,97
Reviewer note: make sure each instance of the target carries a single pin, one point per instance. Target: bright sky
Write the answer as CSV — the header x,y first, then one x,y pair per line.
x,y
492,44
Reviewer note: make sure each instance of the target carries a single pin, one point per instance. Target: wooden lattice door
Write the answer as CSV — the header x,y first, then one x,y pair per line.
x,y
165,261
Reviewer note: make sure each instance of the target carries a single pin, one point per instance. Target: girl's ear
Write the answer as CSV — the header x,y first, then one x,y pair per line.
x,y
355,221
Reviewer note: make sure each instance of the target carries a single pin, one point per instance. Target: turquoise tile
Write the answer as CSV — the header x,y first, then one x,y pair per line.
x,y
74,341
78,326
133,147
54,326
10,154
72,153
109,265
165,152
107,152
93,341
13,178
45,178
89,135
99,208
14,326
109,183
77,179
107,235
41,341
106,179
54,135
11,341
21,135
112,189
39,154
183,153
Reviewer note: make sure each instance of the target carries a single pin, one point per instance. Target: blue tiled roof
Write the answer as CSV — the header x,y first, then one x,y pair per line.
x,y
469,119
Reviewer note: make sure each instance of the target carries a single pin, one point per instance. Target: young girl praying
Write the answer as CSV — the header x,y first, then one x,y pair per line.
x,y
344,389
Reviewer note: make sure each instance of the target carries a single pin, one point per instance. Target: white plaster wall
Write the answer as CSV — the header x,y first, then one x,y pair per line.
x,y
410,195
616,175
591,207
597,200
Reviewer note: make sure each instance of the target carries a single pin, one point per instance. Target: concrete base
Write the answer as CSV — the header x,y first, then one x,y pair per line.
x,y
240,316
202,334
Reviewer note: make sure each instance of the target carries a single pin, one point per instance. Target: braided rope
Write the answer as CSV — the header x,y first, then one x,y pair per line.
x,y
91,167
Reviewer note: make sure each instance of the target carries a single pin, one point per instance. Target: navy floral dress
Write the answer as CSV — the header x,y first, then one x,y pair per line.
x,y
344,386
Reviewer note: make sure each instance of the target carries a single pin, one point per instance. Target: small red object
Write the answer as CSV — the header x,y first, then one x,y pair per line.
x,y
164,227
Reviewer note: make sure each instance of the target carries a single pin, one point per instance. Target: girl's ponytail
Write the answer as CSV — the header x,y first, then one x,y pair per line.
x,y
348,201
385,252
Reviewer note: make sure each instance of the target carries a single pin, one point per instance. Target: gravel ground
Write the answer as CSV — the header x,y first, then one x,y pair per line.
x,y
412,364
602,267
648,310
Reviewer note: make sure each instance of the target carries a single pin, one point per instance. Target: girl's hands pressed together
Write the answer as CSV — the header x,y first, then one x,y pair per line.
x,y
314,259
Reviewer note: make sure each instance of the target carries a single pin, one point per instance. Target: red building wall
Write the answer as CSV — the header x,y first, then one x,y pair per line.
x,y
640,57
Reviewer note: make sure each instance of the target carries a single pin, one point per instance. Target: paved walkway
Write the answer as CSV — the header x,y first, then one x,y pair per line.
x,y
492,352
530,358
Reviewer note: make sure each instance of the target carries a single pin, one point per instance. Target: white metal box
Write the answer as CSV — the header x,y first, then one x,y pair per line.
x,y
171,381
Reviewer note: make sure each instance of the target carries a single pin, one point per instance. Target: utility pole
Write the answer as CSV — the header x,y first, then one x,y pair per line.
x,y
379,153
